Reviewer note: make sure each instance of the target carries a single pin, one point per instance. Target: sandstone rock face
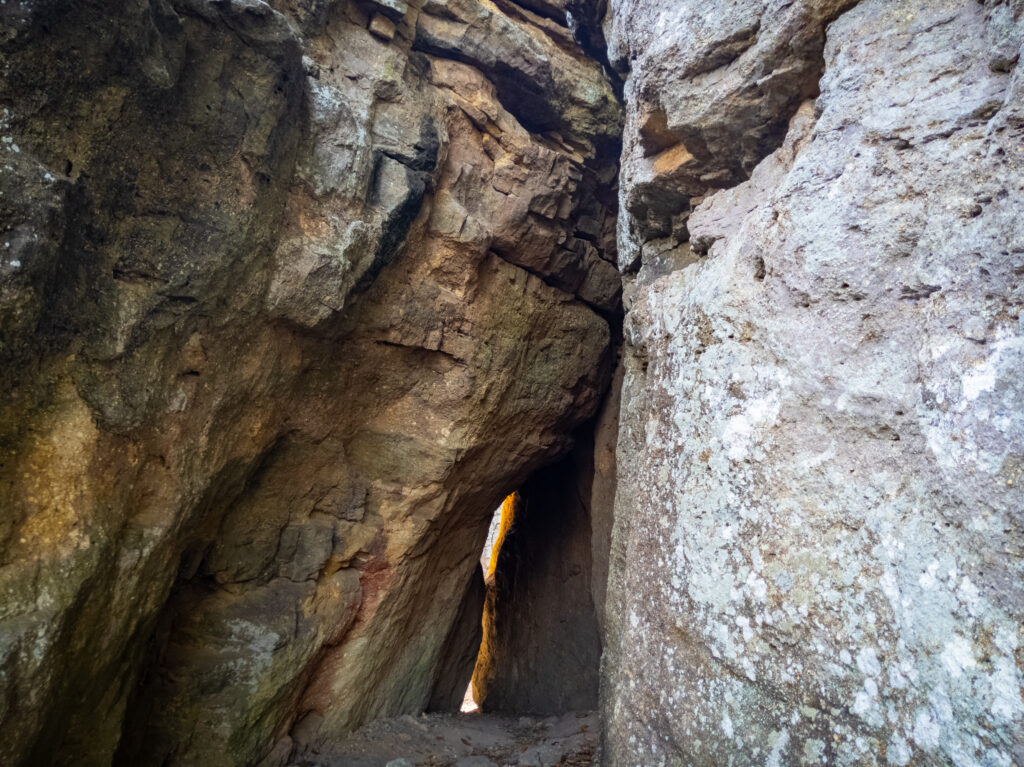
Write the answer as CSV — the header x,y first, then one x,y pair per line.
x,y
289,300
818,539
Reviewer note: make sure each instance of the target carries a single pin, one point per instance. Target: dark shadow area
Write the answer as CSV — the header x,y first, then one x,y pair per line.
x,y
541,647
540,589
460,650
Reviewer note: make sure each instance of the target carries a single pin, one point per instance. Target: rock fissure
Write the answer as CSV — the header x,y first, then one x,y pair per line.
x,y
294,292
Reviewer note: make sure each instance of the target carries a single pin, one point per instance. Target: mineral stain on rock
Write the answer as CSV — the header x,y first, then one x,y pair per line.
x,y
294,292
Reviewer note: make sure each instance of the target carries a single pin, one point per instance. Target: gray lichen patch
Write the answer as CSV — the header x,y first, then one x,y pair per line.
x,y
823,503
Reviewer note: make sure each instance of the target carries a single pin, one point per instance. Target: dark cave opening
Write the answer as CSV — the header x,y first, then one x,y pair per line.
x,y
527,637
527,641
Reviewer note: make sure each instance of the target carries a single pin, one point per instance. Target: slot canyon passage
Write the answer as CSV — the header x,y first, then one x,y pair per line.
x,y
293,293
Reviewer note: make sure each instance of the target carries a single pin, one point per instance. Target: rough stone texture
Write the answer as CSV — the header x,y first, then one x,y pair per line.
x,y
461,649
602,495
478,740
286,308
539,72
292,293
541,648
711,87
818,540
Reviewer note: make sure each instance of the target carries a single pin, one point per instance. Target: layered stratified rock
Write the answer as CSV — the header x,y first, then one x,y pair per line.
x,y
818,547
290,299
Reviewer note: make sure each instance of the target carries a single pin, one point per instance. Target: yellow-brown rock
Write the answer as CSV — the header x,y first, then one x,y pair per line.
x,y
287,307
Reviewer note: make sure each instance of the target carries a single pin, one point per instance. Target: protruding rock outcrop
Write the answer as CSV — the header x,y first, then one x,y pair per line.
x,y
711,88
290,299
818,523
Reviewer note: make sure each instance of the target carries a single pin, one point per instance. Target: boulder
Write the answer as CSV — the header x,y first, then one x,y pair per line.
x,y
818,519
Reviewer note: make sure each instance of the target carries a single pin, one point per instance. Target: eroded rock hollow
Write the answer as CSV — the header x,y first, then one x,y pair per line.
x,y
293,293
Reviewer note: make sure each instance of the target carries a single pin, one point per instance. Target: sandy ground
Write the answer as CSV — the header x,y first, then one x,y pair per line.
x,y
468,740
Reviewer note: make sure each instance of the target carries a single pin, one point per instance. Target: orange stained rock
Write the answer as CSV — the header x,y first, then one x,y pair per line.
x,y
508,510
483,673
672,160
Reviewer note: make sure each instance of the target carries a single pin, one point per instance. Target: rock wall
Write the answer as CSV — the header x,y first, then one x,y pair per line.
x,y
819,522
294,292
291,295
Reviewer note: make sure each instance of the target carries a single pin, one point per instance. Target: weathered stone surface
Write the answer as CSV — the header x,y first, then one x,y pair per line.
x,y
107,245
712,87
460,650
553,9
292,293
281,321
817,552
541,75
601,494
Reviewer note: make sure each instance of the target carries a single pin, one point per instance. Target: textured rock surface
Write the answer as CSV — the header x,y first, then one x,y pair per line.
x,y
293,293
476,740
461,649
711,88
289,301
818,547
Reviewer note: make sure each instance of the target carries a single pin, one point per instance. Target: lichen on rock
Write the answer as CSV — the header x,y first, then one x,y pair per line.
x,y
819,494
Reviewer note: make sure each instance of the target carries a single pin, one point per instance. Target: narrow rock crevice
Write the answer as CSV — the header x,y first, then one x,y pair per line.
x,y
294,292
541,648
